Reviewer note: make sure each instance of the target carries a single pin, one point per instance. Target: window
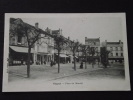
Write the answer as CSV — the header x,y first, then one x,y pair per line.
x,y
122,54
116,48
111,48
116,54
19,38
121,48
94,43
96,49
111,54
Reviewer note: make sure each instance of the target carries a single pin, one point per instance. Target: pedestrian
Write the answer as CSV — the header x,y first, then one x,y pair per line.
x,y
81,65
21,61
44,62
51,63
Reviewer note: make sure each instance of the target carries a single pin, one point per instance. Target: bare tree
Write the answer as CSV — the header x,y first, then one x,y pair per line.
x,y
85,50
104,56
17,26
93,52
74,48
59,44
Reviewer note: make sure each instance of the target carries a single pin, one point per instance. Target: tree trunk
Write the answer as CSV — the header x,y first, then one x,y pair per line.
x,y
58,61
74,62
85,61
98,62
28,62
92,62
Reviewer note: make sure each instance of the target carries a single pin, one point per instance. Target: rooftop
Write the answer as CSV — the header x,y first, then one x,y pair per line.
x,y
92,39
114,42
19,21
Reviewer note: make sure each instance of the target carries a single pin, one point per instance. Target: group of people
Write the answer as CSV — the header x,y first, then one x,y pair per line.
x,y
52,63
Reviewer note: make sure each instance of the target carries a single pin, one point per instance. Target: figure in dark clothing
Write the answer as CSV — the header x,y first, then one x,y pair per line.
x,y
45,62
51,63
81,65
21,61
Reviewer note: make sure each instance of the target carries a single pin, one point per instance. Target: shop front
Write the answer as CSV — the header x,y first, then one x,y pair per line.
x,y
63,58
43,58
19,55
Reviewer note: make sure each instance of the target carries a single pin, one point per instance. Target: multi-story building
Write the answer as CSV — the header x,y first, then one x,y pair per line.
x,y
42,50
93,42
116,51
65,50
18,45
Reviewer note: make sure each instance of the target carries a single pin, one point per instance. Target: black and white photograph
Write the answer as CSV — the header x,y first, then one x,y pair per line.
x,y
65,52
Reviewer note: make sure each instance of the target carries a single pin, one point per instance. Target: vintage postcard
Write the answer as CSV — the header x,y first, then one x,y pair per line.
x,y
65,52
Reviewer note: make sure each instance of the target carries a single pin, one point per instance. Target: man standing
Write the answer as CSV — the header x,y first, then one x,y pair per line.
x,y
51,63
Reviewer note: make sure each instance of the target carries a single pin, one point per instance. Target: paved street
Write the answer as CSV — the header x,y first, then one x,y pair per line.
x,y
108,73
44,76
45,72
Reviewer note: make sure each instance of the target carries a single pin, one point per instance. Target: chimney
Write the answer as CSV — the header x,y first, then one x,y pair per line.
x,y
68,38
50,31
60,30
85,38
119,41
47,29
104,44
36,25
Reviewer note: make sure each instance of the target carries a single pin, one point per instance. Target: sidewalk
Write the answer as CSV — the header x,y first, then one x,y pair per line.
x,y
45,72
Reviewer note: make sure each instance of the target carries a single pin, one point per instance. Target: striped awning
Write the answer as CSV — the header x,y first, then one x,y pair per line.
x,y
73,56
63,55
21,49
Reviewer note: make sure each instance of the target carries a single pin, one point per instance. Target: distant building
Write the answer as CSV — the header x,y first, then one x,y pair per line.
x,y
65,51
116,51
93,42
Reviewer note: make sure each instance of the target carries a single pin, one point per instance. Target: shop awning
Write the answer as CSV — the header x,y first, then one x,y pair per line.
x,y
72,56
21,49
63,55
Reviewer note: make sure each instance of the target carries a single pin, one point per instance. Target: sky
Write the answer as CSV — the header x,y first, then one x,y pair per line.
x,y
80,26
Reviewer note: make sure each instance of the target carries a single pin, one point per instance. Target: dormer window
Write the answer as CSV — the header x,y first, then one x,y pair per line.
x,y
19,38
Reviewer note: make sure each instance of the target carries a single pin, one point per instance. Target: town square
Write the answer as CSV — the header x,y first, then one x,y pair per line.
x,y
61,50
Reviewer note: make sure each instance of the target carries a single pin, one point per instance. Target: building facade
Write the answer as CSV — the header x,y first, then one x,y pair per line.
x,y
65,53
18,45
93,43
116,51
41,52
44,49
